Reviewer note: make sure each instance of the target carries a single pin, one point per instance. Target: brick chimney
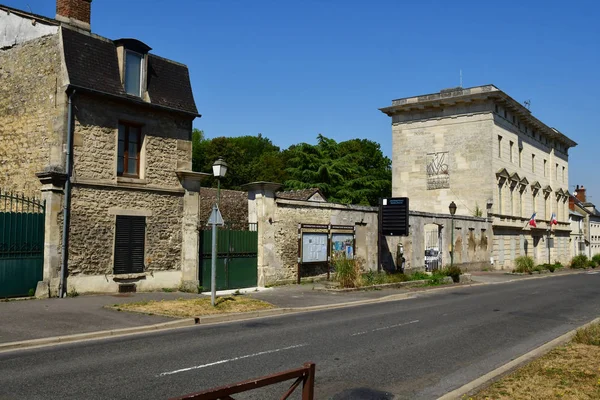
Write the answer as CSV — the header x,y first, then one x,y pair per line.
x,y
580,193
74,12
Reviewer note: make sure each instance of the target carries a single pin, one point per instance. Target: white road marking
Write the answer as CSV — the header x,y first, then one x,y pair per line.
x,y
385,327
593,273
231,359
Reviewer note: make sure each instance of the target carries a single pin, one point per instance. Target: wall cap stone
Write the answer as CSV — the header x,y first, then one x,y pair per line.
x,y
262,185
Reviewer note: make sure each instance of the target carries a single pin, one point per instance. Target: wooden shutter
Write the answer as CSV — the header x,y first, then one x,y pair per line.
x,y
129,244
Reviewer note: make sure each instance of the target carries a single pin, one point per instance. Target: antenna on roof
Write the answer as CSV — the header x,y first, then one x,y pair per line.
x,y
527,104
30,11
460,78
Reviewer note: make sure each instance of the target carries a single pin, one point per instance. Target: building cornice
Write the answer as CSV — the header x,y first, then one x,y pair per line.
x,y
455,96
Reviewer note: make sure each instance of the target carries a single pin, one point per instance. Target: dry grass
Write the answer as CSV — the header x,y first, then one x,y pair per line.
x,y
184,308
567,372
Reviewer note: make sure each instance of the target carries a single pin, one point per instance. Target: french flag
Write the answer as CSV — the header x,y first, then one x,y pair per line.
x,y
553,220
532,220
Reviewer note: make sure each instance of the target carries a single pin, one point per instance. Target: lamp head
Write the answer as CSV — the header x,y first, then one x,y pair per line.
x,y
219,168
452,208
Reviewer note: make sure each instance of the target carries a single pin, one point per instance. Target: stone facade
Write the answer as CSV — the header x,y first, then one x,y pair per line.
x,y
43,64
31,113
485,151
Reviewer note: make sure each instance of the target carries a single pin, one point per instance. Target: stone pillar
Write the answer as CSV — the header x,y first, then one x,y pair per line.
x,y
53,183
190,261
261,209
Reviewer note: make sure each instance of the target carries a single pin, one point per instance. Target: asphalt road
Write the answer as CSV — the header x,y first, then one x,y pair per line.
x,y
415,349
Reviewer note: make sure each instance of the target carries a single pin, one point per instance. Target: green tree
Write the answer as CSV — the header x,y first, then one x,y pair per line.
x,y
354,171
250,158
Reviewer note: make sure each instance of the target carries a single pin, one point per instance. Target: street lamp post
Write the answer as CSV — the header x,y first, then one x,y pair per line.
x,y
219,171
452,209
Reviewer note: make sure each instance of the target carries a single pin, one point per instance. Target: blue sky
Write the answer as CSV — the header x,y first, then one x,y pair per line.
x,y
293,69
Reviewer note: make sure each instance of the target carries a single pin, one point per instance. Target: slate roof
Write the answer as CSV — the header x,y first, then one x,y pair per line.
x,y
92,64
302,194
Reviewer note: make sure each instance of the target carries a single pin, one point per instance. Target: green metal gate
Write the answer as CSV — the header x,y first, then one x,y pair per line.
x,y
236,259
21,244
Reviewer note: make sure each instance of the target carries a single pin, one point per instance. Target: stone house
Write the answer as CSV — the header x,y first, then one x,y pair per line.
x,y
589,228
101,129
490,155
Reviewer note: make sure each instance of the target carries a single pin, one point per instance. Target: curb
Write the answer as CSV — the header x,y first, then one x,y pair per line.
x,y
27,344
488,378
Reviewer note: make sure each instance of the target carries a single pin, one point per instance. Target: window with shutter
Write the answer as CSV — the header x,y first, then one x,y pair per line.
x,y
129,244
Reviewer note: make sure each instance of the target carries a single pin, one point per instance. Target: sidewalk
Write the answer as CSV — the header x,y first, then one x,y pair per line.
x,y
22,320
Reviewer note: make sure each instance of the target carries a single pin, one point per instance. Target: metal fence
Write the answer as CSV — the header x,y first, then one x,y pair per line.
x,y
21,244
304,376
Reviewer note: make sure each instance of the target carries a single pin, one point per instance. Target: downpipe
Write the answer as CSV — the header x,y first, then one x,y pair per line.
x,y
62,289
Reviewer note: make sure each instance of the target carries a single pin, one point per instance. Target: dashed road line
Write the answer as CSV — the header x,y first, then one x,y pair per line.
x,y
231,359
385,327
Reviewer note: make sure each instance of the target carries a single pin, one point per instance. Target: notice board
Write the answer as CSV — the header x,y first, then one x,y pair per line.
x,y
314,247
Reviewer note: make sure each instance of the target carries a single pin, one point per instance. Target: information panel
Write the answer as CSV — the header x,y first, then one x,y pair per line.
x,y
314,247
342,244
393,216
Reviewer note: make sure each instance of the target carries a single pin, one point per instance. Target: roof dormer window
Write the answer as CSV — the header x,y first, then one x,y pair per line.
x,y
133,61
134,73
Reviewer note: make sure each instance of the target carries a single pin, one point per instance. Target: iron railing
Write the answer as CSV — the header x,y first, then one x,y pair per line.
x,y
304,375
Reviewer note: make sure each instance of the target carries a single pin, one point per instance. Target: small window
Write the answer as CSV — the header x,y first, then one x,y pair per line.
x,y
533,163
130,239
133,73
520,158
129,149
514,119
505,114
499,146
496,108
545,167
556,172
563,174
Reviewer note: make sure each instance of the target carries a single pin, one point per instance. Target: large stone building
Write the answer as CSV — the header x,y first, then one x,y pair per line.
x,y
486,152
123,116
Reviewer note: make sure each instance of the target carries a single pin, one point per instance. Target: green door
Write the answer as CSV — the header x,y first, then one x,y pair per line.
x,y
21,245
236,259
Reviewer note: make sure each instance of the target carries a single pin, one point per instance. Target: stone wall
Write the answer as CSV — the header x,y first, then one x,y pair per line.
x,y
233,207
290,213
473,239
93,217
32,113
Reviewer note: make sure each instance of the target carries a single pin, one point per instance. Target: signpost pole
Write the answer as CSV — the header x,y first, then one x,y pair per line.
x,y
213,263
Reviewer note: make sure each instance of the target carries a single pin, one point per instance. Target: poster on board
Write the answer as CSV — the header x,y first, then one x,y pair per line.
x,y
342,244
314,247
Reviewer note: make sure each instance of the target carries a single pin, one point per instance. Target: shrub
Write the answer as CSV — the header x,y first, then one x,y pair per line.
x,y
558,265
549,267
580,261
454,272
539,268
524,264
346,271
591,264
418,276
596,259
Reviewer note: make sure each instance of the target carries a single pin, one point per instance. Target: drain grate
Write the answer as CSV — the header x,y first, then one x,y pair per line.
x,y
127,288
